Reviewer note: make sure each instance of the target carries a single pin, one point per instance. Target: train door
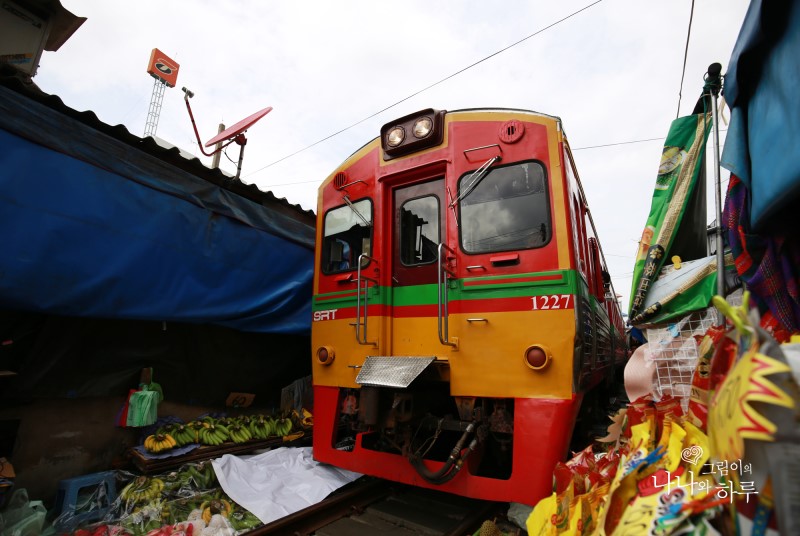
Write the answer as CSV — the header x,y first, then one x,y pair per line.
x,y
418,221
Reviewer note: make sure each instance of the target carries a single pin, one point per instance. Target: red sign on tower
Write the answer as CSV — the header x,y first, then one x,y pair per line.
x,y
163,68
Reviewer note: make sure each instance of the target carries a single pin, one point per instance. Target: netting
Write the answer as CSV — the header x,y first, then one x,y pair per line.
x,y
673,349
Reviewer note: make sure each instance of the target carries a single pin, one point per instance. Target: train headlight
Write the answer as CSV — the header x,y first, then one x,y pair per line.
x,y
412,133
395,137
325,355
422,127
537,357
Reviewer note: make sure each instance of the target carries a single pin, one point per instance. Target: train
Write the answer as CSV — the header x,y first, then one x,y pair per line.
x,y
465,331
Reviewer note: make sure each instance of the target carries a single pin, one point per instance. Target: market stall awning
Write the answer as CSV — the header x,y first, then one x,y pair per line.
x,y
97,222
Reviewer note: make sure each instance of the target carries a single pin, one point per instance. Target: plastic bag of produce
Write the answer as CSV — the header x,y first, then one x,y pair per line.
x,y
143,405
22,517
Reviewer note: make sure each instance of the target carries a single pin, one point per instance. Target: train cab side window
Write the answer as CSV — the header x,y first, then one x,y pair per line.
x,y
419,231
508,209
347,234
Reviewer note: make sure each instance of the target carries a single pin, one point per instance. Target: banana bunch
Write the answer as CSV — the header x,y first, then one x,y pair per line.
x,y
261,427
142,489
245,419
239,433
215,506
283,426
213,433
204,475
183,435
195,426
243,520
305,417
159,442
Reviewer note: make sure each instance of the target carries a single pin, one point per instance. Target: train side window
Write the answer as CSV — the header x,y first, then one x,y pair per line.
x,y
597,283
347,233
419,231
508,209
580,236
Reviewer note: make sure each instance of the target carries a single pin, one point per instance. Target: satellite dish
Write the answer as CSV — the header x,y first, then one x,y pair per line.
x,y
239,128
229,135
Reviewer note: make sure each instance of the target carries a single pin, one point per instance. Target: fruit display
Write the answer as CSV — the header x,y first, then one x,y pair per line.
x,y
184,502
213,432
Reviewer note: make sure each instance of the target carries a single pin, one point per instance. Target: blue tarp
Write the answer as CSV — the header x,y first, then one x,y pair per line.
x,y
761,89
93,227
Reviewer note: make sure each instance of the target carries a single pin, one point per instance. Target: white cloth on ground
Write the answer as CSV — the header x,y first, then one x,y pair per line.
x,y
278,482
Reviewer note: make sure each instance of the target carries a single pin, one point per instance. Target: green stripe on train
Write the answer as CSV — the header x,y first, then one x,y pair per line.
x,y
479,288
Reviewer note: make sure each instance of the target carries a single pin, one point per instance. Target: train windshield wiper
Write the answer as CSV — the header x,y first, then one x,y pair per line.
x,y
350,204
474,179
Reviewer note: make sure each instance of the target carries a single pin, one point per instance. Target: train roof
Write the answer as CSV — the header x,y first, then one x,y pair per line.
x,y
555,118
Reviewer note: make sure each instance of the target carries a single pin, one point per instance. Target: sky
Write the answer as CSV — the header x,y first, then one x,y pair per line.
x,y
334,72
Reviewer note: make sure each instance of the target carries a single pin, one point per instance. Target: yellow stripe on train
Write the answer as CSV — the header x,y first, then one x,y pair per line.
x,y
488,361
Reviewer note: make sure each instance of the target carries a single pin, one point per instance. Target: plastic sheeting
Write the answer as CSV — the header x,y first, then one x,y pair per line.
x,y
279,482
93,227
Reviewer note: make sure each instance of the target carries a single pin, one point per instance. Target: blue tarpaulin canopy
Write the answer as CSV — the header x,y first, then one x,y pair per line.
x,y
96,222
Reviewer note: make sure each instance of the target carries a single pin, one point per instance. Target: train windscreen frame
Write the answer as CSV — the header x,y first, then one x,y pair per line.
x,y
506,209
346,234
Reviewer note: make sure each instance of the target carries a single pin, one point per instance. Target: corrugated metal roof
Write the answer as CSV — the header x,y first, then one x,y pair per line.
x,y
9,78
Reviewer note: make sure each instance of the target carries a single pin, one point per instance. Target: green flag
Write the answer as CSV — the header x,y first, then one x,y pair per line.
x,y
681,289
681,163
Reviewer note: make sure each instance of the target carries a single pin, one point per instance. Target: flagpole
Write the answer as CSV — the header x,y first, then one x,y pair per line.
x,y
714,84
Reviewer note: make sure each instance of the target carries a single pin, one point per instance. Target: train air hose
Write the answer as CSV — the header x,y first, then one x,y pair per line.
x,y
453,463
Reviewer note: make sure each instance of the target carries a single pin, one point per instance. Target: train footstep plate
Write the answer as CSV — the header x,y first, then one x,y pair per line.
x,y
394,371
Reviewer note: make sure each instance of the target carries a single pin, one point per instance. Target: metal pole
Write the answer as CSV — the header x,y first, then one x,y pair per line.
x,y
242,141
714,83
217,148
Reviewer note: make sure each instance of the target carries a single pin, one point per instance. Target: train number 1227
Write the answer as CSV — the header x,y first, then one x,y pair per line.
x,y
553,301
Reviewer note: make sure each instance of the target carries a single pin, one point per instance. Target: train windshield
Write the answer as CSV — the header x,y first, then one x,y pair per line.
x,y
347,234
508,209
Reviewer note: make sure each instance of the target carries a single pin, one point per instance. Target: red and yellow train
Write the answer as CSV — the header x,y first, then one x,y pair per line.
x,y
462,311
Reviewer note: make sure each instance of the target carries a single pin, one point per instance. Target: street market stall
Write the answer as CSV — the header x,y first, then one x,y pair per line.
x,y
710,441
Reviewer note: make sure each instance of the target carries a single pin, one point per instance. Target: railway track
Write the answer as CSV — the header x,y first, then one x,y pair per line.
x,y
377,507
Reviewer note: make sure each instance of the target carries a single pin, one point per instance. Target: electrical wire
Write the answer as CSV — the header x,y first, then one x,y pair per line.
x,y
618,143
685,55
573,150
537,32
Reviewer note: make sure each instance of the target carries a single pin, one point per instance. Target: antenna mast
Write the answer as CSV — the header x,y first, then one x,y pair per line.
x,y
154,112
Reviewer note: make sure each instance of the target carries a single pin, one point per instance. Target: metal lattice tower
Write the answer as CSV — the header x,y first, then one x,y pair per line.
x,y
155,108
